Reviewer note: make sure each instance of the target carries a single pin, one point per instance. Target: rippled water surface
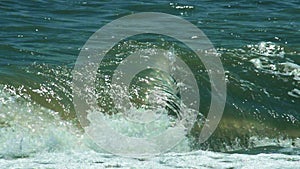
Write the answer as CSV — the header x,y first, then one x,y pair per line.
x,y
258,44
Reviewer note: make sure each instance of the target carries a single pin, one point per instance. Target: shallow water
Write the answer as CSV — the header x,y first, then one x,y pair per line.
x,y
199,159
258,43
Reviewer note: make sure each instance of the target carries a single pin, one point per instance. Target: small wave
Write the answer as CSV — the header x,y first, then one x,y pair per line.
x,y
27,128
267,49
268,62
41,118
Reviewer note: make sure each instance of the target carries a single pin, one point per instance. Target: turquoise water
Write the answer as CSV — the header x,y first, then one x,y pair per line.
x,y
258,43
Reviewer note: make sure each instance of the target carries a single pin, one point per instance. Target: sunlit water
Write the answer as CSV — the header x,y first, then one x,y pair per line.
x,y
258,43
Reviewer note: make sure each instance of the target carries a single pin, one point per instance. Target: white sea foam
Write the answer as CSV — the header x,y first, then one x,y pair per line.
x,y
27,128
268,59
198,159
35,137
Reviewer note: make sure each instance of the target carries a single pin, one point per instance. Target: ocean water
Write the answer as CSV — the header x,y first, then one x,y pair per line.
x,y
256,41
